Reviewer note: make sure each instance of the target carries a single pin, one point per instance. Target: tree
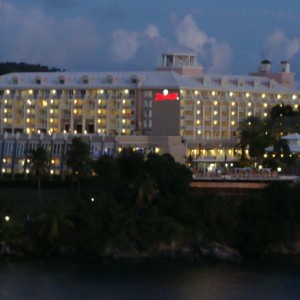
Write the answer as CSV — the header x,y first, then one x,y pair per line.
x,y
79,160
54,227
252,133
39,165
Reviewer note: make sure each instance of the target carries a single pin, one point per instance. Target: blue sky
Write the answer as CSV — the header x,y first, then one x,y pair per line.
x,y
230,36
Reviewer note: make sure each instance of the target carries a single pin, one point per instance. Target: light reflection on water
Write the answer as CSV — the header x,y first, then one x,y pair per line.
x,y
156,280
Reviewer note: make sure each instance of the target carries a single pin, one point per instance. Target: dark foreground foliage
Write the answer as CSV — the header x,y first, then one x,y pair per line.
x,y
135,203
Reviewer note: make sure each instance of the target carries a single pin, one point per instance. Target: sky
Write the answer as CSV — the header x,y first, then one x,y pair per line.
x,y
228,36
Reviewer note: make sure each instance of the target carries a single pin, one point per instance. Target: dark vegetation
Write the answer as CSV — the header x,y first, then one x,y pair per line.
x,y
136,203
9,67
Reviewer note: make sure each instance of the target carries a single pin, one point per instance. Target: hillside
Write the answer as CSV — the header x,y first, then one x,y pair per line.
x,y
9,67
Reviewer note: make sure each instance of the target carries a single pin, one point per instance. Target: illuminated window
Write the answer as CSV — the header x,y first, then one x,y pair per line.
x,y
215,122
198,122
198,112
249,104
198,102
265,114
233,113
247,95
216,102
263,96
232,122
265,104
199,132
213,93
124,101
249,114
231,94
215,112
294,97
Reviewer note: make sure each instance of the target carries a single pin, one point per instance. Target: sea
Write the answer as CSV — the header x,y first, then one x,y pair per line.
x,y
265,279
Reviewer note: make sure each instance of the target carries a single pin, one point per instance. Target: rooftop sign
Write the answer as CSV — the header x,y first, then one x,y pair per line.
x,y
166,96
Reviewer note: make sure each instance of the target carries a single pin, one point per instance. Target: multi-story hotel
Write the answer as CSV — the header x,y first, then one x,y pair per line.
x,y
176,108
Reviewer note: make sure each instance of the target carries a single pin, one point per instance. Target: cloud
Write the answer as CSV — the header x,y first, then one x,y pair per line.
x,y
277,45
126,44
215,55
36,38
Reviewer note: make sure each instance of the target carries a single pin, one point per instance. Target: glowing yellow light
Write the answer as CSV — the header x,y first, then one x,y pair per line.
x,y
265,114
51,111
213,93
7,92
216,102
196,93
247,95
75,111
53,92
199,132
51,120
126,91
278,96
101,91
5,101
123,121
123,130
232,122
124,101
99,111
249,113
198,102
215,112
294,97
249,104
99,121
51,101
156,149
75,101
99,101
198,112
233,113
28,120
123,111
198,122
265,104
52,172
5,120
215,122
263,96
231,94
233,103
30,92
5,111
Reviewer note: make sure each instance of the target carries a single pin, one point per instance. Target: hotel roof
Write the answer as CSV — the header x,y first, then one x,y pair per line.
x,y
145,80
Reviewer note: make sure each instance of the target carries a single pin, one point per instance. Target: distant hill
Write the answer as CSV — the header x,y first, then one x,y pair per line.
x,y
9,67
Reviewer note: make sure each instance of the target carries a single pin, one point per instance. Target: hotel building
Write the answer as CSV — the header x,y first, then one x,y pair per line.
x,y
176,108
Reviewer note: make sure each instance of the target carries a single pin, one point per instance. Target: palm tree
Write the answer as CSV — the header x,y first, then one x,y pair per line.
x,y
39,165
79,160
252,134
54,226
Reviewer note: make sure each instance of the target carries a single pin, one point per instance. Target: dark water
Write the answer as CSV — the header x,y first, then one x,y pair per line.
x,y
157,280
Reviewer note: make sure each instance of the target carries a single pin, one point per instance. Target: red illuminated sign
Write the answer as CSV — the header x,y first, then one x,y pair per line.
x,y
166,97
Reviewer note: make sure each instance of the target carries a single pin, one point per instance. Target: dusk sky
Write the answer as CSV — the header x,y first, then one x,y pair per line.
x,y
230,36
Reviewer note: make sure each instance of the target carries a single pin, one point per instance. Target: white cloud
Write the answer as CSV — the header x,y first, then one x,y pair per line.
x,y
32,37
279,46
216,55
126,44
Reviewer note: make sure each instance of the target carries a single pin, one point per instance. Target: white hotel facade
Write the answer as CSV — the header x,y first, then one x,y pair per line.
x,y
175,109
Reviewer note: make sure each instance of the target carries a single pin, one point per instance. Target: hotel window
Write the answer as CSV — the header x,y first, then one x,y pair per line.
x,y
38,80
85,80
82,93
47,93
109,79
15,80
